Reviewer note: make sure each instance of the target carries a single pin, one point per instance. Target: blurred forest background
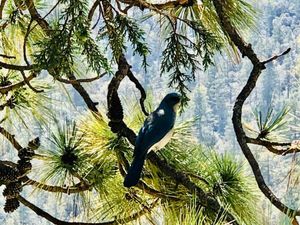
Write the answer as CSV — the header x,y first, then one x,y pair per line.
x,y
211,100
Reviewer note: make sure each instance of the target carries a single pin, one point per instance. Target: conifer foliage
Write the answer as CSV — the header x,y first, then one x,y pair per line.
x,y
55,52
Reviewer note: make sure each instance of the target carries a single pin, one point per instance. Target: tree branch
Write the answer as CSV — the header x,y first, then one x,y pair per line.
x,y
36,16
28,83
92,10
271,146
7,56
258,66
141,89
160,6
2,4
54,220
77,81
11,138
67,190
5,89
15,67
77,86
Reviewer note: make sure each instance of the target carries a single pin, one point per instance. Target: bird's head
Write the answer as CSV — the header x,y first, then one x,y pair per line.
x,y
172,100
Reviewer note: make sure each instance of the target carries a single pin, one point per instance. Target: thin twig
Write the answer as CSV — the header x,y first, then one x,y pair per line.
x,y
77,81
7,56
28,83
80,187
141,89
6,89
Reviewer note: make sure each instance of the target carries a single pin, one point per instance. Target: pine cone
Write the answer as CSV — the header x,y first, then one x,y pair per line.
x,y
12,189
34,144
26,154
11,205
24,166
7,174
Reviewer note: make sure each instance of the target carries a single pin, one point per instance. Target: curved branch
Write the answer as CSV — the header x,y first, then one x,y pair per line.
x,y
28,83
5,89
2,4
77,81
258,66
36,16
92,10
141,89
15,67
54,220
67,190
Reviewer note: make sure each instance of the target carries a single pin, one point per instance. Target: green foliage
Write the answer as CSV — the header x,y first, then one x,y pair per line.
x,y
187,214
241,14
233,188
69,35
18,105
272,125
62,160
117,29
180,59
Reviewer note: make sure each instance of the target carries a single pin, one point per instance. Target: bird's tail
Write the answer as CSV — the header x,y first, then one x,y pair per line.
x,y
135,170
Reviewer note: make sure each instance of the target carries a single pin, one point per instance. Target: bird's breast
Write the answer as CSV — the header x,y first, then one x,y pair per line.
x,y
163,141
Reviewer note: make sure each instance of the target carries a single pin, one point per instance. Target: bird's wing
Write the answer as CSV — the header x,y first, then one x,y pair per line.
x,y
155,127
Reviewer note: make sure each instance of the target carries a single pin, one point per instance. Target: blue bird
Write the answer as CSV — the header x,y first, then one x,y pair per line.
x,y
154,135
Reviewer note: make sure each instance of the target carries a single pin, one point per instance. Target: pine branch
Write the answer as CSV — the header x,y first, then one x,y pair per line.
x,y
160,6
15,67
6,89
7,56
258,67
54,220
11,138
77,81
141,89
273,146
80,187
77,86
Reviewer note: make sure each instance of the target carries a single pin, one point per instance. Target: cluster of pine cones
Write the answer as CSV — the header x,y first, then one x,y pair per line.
x,y
11,173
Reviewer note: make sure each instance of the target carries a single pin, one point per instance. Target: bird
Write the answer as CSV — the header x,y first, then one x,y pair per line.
x,y
155,133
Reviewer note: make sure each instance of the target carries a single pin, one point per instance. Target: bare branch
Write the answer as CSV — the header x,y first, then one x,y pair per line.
x,y
54,220
77,81
15,67
7,56
92,10
273,146
67,190
141,89
36,16
276,56
258,66
25,41
11,138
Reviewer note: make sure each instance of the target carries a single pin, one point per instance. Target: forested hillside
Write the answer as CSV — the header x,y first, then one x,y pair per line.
x,y
212,96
